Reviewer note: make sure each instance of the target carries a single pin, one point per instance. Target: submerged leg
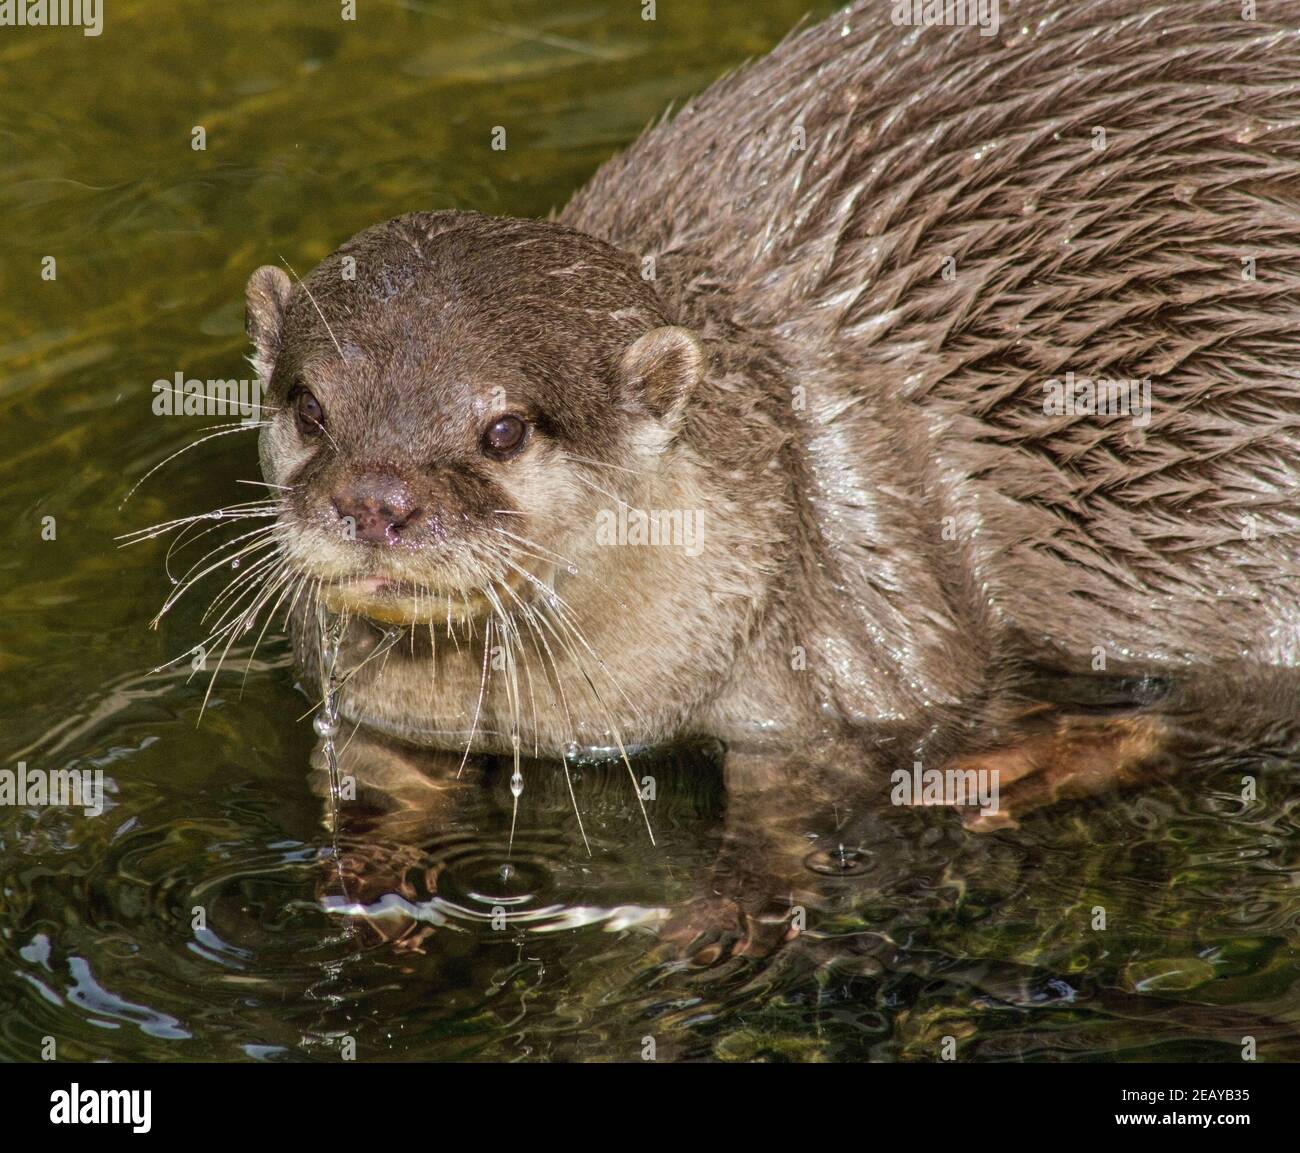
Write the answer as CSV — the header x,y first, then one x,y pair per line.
x,y
1072,757
784,811
396,799
1101,734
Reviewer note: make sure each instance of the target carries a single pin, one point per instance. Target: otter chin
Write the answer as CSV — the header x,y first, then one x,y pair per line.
x,y
398,602
817,313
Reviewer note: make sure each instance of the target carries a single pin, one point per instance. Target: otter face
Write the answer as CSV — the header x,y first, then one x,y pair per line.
x,y
448,394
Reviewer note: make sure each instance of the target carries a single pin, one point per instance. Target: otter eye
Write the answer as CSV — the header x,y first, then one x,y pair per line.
x,y
504,436
307,412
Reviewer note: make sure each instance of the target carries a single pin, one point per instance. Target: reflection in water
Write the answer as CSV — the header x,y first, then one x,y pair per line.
x,y
448,944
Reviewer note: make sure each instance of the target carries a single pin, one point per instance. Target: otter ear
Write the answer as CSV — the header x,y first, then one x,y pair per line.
x,y
265,300
661,368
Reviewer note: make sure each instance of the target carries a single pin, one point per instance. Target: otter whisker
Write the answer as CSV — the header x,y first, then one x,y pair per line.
x,y
268,484
531,578
564,613
238,626
613,725
433,660
254,538
355,728
450,631
182,539
232,627
201,646
603,491
299,586
512,700
287,584
227,430
243,591
236,588
337,347
236,581
390,638
528,675
530,620
265,538
516,551
277,577
482,689
467,617
508,624
602,464
555,557
253,508
570,632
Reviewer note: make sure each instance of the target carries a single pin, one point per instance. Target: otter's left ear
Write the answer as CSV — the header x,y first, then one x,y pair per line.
x,y
265,299
661,368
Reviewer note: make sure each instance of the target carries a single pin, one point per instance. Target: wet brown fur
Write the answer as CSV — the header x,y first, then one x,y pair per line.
x,y
883,490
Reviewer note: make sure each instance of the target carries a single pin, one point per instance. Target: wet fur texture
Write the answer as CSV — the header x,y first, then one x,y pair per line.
x,y
891,519
925,394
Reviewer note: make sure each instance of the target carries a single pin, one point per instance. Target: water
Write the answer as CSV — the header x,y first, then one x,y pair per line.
x,y
510,933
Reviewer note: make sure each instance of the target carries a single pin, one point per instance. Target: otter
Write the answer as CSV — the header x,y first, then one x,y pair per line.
x,y
843,317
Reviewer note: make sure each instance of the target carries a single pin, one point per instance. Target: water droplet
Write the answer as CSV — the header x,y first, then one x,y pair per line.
x,y
516,785
1249,131
838,862
234,563
572,570
325,725
571,751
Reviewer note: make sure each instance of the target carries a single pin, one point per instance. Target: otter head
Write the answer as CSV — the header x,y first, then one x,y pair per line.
x,y
447,394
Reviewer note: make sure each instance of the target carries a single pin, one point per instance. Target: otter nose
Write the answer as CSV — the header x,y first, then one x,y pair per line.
x,y
379,505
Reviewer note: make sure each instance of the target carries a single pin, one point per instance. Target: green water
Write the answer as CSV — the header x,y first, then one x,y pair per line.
x,y
316,128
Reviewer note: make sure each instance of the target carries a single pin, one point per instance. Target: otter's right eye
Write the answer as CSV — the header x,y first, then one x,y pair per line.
x,y
504,436
307,412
